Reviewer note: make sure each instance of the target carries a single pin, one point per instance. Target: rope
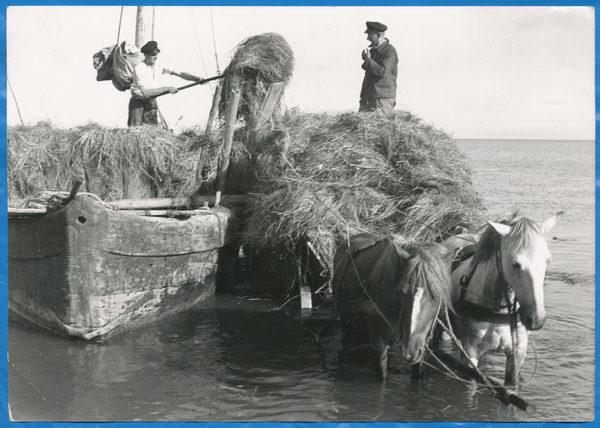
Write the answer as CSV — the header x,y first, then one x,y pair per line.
x,y
15,98
120,21
198,43
535,358
458,344
214,41
512,312
449,371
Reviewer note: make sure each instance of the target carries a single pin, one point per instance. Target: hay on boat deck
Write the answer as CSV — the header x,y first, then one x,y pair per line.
x,y
43,158
258,61
325,176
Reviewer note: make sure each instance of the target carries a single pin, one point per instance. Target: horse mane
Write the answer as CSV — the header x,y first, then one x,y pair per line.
x,y
426,265
523,236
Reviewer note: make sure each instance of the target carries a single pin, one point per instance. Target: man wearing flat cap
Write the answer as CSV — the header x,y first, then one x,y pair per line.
x,y
143,108
380,62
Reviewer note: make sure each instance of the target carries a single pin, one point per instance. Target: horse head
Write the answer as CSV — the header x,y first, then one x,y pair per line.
x,y
523,259
426,287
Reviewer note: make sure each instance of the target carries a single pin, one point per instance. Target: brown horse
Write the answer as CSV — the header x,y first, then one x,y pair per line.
x,y
498,283
392,289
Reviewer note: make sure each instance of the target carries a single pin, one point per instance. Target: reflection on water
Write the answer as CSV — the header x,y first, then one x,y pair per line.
x,y
245,360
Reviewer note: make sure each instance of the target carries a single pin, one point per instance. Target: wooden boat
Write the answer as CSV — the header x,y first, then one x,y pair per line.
x,y
87,269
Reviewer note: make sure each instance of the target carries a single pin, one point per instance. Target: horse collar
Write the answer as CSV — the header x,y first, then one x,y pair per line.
x,y
482,313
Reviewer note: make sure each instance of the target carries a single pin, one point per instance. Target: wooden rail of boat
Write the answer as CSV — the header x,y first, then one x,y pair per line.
x,y
142,205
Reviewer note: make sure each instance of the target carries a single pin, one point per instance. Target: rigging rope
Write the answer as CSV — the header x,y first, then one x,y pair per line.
x,y
198,43
212,25
15,98
120,22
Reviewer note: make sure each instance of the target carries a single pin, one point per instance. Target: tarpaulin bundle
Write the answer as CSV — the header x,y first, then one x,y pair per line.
x,y
103,63
116,63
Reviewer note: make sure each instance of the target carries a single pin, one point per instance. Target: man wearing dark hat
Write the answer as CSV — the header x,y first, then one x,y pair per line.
x,y
380,63
143,108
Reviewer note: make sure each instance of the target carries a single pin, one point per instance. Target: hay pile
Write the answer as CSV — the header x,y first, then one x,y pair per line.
x,y
322,176
313,178
109,161
258,61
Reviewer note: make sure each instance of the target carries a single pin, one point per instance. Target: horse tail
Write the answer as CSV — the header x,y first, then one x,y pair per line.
x,y
427,267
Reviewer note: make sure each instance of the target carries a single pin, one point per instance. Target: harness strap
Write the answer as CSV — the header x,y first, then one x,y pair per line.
x,y
463,254
481,313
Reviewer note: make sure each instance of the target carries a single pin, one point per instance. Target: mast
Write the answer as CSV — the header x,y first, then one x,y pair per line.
x,y
144,25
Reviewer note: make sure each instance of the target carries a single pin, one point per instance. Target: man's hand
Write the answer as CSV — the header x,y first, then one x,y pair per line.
x,y
366,54
172,89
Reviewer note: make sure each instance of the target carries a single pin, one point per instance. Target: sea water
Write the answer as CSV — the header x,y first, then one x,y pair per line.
x,y
246,359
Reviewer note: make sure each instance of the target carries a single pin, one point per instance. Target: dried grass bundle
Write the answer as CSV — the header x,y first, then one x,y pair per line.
x,y
325,176
43,158
111,155
258,61
37,161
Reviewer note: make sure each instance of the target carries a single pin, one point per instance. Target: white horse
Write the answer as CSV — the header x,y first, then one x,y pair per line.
x,y
499,284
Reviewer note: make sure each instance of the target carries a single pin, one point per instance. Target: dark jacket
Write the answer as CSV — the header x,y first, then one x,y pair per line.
x,y
381,71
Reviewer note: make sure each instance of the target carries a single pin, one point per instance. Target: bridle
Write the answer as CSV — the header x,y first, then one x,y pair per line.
x,y
431,331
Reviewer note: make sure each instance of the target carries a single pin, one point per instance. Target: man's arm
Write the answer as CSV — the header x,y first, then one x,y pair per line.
x,y
154,92
141,79
185,76
389,60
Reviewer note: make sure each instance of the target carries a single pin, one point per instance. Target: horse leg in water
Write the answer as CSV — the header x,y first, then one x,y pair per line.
x,y
513,367
381,349
417,369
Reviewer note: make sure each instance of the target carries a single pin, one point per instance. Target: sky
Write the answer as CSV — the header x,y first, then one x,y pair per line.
x,y
475,72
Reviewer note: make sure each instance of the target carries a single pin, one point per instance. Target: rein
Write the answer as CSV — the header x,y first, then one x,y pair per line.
x,y
513,312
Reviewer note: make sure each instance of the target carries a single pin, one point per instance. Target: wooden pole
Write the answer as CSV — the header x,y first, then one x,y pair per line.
x,y
233,102
214,108
144,25
166,203
503,394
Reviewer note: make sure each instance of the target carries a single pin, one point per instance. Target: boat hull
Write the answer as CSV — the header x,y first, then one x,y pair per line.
x,y
86,271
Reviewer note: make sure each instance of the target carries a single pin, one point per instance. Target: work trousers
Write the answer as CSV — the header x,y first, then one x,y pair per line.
x,y
142,112
386,105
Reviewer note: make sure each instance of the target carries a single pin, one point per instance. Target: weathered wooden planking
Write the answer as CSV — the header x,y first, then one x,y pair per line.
x,y
85,270
269,104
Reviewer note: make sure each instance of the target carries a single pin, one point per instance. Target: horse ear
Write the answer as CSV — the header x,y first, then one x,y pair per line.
x,y
551,222
502,229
